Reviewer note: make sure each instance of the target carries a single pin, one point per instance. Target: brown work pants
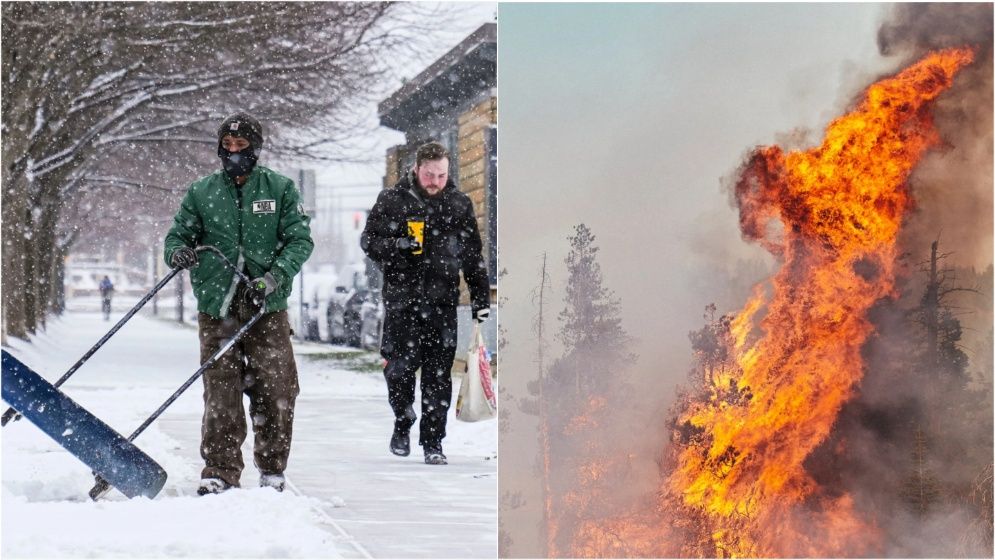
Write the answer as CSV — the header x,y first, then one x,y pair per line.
x,y
261,365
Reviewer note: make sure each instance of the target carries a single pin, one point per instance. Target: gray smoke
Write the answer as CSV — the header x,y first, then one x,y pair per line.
x,y
953,185
917,28
952,188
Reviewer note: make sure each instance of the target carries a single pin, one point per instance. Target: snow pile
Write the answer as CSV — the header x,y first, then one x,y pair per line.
x,y
346,496
47,512
256,523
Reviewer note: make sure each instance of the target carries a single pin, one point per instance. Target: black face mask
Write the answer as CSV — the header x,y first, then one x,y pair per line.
x,y
238,164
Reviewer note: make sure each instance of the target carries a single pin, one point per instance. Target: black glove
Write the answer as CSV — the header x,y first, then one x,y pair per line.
x,y
255,294
184,257
481,315
408,245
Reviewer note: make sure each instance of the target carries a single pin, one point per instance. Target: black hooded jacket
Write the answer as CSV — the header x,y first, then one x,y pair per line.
x,y
451,244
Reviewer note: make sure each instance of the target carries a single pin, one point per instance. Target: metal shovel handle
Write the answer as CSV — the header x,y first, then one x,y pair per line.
x,y
11,414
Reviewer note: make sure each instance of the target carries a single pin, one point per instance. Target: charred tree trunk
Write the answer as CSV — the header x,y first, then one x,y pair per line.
x,y
931,317
931,324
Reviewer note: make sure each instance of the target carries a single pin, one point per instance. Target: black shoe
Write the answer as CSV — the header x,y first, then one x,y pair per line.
x,y
434,455
400,443
212,486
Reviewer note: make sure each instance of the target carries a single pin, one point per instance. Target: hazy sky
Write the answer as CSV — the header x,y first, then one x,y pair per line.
x,y
626,118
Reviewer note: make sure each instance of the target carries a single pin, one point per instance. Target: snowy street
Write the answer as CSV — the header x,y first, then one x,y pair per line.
x,y
348,497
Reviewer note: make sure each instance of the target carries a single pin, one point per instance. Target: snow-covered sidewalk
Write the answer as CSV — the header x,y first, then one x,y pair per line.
x,y
349,497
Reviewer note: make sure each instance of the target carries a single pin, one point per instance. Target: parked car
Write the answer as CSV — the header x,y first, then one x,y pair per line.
x,y
355,317
372,315
343,316
310,325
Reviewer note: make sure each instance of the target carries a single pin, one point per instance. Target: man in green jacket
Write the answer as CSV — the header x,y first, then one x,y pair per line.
x,y
254,216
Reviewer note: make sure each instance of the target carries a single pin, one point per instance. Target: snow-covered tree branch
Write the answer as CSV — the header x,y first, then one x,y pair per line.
x,y
135,90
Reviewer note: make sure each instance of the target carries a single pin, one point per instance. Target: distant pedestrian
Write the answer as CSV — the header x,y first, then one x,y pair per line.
x,y
422,233
254,216
106,292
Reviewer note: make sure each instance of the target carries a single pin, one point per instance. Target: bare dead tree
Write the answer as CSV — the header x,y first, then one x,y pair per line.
x,y
539,299
536,404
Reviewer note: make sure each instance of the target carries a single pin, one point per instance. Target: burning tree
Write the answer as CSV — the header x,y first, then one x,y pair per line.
x,y
757,460
831,214
574,398
835,365
578,397
912,443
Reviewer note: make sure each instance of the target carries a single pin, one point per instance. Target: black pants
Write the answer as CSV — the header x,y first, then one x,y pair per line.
x,y
420,336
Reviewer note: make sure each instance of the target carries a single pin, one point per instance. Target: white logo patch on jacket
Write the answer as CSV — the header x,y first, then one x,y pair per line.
x,y
264,207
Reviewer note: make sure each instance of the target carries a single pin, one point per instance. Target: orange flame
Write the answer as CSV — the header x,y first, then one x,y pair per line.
x,y
832,213
551,527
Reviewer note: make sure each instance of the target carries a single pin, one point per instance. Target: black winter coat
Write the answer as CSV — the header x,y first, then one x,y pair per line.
x,y
451,244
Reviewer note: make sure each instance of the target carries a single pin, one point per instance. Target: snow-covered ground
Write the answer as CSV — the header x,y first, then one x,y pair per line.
x,y
348,496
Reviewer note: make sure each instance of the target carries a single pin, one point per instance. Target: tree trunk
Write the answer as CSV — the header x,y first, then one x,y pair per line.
x,y
548,530
28,287
46,252
931,312
14,245
59,280
931,322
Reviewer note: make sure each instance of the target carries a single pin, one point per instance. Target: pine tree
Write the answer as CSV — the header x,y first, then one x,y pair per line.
x,y
920,488
585,388
591,332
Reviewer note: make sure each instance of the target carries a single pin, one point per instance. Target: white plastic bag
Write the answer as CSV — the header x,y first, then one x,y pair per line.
x,y
476,400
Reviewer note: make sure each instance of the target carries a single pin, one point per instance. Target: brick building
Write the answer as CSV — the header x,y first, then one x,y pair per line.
x,y
454,101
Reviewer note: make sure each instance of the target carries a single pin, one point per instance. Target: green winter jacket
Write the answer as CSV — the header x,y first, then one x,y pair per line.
x,y
270,233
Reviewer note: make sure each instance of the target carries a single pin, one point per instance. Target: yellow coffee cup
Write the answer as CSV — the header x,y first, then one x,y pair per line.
x,y
416,229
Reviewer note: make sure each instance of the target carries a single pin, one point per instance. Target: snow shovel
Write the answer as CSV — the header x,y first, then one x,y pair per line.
x,y
79,432
13,414
102,486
